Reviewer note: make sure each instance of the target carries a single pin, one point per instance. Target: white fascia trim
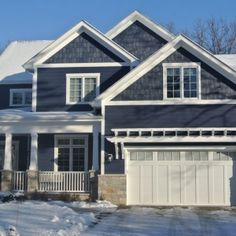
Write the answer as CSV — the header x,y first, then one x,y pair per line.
x,y
159,56
170,102
83,76
198,139
70,65
137,16
34,90
70,35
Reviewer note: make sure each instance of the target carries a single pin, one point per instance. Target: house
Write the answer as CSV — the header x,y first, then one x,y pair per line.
x,y
137,116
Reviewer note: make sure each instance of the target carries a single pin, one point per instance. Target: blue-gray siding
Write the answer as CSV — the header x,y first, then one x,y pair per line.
x,y
150,86
140,40
169,116
83,49
5,93
46,151
51,86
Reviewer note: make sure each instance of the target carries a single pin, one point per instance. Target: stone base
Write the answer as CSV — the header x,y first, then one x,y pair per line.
x,y
112,188
32,180
6,180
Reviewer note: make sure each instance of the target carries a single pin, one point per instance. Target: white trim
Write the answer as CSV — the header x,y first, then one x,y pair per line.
x,y
8,152
158,57
19,90
70,35
182,66
83,77
102,64
137,16
34,152
170,102
34,90
70,146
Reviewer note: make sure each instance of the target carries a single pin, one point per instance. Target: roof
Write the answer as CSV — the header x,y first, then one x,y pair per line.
x,y
137,16
14,56
70,35
229,59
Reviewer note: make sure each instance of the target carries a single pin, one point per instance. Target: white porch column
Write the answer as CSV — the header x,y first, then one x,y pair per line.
x,y
34,152
95,165
8,152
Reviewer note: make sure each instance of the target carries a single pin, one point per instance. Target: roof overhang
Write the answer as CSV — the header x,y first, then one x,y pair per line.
x,y
137,16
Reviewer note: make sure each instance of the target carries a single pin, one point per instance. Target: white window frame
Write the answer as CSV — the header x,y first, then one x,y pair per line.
x,y
83,76
23,91
70,146
182,66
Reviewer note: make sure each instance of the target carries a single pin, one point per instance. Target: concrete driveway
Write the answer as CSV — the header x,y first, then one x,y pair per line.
x,y
166,221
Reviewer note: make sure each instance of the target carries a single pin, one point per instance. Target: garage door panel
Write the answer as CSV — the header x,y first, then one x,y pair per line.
x,y
161,184
146,184
134,185
175,184
218,184
190,184
202,172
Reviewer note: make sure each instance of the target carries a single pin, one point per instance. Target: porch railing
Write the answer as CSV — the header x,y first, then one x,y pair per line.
x,y
19,180
68,181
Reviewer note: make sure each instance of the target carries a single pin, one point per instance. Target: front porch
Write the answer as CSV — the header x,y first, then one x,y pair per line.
x,y
50,157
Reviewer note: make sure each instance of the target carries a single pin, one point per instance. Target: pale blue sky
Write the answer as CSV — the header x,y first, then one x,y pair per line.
x,y
47,19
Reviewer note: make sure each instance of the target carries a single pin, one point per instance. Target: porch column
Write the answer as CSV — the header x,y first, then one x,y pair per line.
x,y
34,152
8,152
95,165
6,178
32,173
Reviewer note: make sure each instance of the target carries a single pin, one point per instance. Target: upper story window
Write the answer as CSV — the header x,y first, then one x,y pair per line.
x,y
181,80
20,97
81,88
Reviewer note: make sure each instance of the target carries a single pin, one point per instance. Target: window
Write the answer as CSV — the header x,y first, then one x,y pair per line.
x,y
196,156
141,156
71,153
168,156
20,97
81,88
181,80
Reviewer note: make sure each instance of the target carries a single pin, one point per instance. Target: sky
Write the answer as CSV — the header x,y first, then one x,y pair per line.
x,y
48,19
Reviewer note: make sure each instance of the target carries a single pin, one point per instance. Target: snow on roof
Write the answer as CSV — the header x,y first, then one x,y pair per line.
x,y
228,59
14,56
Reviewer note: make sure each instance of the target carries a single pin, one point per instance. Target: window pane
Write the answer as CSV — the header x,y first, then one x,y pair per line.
x,y
149,156
173,82
28,98
160,156
188,156
90,89
167,156
190,82
63,159
78,159
175,156
133,156
196,156
216,156
17,98
78,141
204,156
141,156
75,89
63,141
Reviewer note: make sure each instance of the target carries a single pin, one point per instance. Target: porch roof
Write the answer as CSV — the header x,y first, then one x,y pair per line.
x,y
24,115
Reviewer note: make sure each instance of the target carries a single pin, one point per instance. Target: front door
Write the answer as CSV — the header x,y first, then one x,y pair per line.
x,y
15,146
71,153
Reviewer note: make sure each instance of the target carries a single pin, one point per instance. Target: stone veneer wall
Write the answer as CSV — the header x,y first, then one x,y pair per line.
x,y
112,188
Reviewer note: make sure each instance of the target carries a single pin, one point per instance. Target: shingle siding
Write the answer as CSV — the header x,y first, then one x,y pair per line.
x,y
150,86
169,116
51,86
83,49
140,40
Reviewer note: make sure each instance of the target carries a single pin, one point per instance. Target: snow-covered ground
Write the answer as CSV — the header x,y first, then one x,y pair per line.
x,y
48,218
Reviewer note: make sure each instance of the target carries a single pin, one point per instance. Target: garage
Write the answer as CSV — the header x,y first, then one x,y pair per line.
x,y
179,177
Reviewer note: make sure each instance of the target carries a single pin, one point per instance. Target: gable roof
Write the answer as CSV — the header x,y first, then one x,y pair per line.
x,y
14,56
160,55
137,16
70,35
229,59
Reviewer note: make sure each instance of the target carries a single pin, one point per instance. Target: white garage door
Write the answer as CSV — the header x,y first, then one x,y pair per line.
x,y
179,177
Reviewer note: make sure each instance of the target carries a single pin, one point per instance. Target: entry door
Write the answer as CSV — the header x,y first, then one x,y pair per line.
x,y
15,153
180,178
71,153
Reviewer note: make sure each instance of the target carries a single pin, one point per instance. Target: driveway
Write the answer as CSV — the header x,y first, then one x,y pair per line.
x,y
166,221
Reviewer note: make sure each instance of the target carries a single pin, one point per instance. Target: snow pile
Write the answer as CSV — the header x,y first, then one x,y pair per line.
x,y
42,218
